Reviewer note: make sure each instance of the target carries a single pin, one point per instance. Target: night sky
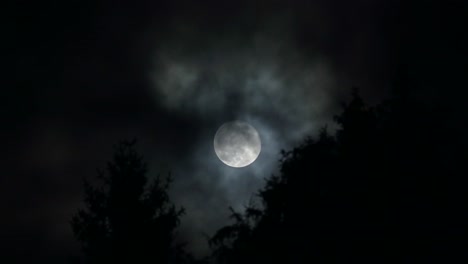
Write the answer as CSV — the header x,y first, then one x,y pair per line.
x,y
82,75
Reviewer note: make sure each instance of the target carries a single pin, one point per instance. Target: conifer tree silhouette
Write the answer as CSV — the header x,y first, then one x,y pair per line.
x,y
380,190
127,219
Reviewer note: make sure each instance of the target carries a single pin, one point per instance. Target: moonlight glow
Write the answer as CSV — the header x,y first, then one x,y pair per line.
x,y
237,144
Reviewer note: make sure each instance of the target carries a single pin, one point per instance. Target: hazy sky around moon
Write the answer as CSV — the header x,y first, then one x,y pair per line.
x,y
262,75
237,144
245,82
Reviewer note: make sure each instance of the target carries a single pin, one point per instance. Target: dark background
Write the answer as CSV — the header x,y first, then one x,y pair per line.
x,y
82,75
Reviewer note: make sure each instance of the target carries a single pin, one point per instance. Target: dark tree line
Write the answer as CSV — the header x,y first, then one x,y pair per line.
x,y
387,187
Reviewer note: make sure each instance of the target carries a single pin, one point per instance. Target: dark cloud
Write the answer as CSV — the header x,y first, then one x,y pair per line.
x,y
88,73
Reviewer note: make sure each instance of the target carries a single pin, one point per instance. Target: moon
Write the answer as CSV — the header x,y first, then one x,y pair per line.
x,y
237,144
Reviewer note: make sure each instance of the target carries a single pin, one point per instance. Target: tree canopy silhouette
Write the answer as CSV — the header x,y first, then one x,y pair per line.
x,y
380,190
127,219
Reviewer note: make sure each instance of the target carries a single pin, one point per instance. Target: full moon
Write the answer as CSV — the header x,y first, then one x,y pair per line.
x,y
237,144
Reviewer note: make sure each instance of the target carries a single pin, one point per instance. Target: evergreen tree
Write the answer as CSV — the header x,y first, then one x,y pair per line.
x,y
127,219
381,190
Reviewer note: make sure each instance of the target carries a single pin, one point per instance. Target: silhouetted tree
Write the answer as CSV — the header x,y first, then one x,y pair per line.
x,y
381,190
127,219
